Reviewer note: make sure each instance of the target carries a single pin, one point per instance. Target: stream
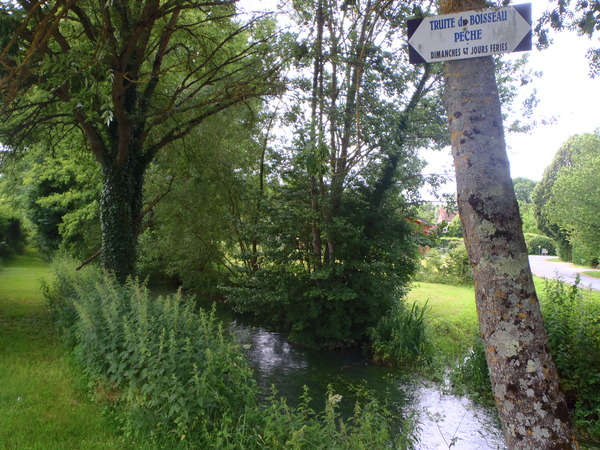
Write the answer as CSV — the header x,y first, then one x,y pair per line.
x,y
444,420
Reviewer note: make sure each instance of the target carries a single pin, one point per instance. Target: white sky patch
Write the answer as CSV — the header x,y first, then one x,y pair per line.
x,y
565,92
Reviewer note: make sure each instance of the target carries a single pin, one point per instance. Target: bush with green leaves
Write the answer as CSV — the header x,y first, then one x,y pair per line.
x,y
12,237
329,302
449,266
472,374
174,367
400,338
537,242
572,322
182,382
586,255
58,188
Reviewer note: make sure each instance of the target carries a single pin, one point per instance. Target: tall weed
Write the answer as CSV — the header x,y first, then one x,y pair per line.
x,y
472,375
572,322
446,266
175,370
400,338
179,381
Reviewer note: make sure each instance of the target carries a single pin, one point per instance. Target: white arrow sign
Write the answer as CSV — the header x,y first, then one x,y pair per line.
x,y
470,34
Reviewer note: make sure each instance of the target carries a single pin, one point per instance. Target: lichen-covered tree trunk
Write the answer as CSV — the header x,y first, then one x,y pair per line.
x,y
120,218
525,382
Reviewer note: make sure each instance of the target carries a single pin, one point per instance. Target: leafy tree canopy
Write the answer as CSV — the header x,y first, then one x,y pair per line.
x,y
523,189
59,193
582,16
132,77
566,158
574,203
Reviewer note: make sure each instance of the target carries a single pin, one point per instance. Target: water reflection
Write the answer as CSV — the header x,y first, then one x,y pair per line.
x,y
449,420
444,420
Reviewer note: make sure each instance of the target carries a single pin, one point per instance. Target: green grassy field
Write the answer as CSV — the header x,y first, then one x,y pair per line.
x,y
452,321
43,404
457,303
453,314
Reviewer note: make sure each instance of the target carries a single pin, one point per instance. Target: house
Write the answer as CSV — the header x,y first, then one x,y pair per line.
x,y
445,216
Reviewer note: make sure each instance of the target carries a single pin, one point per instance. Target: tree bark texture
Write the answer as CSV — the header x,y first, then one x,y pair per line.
x,y
532,409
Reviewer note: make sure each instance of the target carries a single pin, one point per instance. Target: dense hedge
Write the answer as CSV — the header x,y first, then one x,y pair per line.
x,y
446,265
536,242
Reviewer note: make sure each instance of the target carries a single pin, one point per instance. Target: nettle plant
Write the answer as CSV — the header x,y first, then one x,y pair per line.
x,y
176,379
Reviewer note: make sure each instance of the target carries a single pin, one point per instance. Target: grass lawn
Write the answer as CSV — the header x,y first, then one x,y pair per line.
x,y
453,320
457,303
454,314
43,404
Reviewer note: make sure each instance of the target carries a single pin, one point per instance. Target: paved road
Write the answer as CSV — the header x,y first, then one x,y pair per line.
x,y
540,266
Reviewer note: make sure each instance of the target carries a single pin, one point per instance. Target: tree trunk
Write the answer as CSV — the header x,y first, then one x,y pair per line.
x,y
120,218
532,409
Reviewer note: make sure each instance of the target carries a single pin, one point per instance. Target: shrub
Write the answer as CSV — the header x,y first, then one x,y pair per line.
x,y
451,267
586,255
182,381
330,308
328,296
174,366
472,374
572,323
535,242
12,238
400,337
301,427
449,243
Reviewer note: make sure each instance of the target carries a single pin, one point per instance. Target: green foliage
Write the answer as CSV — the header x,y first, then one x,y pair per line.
x,y
183,63
329,304
528,218
400,338
455,228
176,372
447,266
536,242
12,236
472,375
586,254
574,203
181,382
59,194
572,322
523,189
555,217
302,428
427,211
192,233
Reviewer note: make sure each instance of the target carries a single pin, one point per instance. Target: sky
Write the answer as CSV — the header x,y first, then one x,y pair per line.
x,y
565,92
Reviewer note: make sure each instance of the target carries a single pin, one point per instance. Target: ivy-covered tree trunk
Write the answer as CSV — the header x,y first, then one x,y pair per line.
x,y
532,409
121,210
135,77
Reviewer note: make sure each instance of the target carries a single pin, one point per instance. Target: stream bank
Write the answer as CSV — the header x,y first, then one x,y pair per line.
x,y
444,420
